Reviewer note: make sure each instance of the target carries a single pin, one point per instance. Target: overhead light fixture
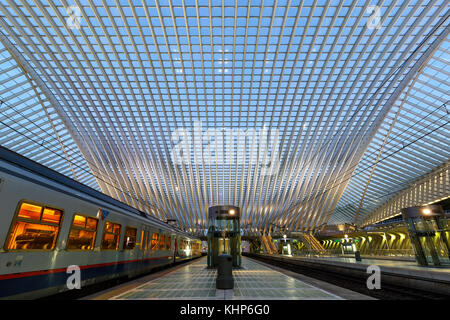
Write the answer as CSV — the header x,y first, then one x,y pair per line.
x,y
426,211
232,211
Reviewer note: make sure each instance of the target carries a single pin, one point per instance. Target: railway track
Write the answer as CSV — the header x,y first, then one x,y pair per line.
x,y
357,284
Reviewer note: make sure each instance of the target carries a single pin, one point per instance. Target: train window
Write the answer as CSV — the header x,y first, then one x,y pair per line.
x,y
196,248
111,236
162,242
79,221
30,211
142,239
149,243
91,224
168,243
155,237
146,240
112,227
82,233
35,227
129,241
51,215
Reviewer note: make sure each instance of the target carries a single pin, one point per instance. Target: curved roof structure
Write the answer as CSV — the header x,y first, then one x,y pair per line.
x,y
301,113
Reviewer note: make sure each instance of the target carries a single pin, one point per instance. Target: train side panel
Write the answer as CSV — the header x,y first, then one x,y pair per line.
x,y
26,273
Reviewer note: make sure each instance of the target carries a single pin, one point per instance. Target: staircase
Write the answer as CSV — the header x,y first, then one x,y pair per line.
x,y
266,246
317,245
272,245
312,243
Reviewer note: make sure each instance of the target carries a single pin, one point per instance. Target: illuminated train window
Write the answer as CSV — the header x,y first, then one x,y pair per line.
x,y
146,240
155,237
82,233
35,227
129,241
111,236
196,248
142,240
162,242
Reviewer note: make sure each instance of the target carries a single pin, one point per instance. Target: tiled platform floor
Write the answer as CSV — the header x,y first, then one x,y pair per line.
x,y
253,281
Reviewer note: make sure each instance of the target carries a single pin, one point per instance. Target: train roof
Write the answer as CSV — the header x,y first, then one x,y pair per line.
x,y
41,170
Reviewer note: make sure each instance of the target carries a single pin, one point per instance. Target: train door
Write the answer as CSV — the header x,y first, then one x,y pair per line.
x,y
175,249
143,244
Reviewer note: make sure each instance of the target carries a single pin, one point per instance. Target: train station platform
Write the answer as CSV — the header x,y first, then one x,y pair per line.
x,y
254,281
394,272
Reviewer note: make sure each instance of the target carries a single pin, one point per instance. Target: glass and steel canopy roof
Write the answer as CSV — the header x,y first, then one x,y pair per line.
x,y
279,107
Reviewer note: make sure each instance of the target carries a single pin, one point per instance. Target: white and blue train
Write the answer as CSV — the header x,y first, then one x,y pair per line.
x,y
50,222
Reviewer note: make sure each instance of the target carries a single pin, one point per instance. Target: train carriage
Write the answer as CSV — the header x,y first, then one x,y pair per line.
x,y
51,225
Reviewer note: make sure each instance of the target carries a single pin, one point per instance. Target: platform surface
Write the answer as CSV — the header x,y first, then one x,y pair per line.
x,y
253,282
400,268
401,264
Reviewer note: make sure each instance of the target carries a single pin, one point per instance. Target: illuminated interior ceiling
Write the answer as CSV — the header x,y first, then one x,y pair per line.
x,y
306,97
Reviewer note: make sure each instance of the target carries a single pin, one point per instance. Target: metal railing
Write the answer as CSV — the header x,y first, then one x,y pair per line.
x,y
304,252
391,252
